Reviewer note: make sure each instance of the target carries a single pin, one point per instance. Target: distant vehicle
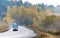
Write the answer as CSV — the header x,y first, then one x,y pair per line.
x,y
15,27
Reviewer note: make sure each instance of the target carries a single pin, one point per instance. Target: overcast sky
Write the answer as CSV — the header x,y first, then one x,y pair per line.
x,y
53,2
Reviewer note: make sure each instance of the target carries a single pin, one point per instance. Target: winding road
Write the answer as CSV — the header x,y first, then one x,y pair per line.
x,y
22,32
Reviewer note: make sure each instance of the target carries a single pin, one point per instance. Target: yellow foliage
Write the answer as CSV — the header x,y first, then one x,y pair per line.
x,y
41,14
8,9
7,18
8,14
39,17
48,12
31,12
20,9
14,10
3,27
35,24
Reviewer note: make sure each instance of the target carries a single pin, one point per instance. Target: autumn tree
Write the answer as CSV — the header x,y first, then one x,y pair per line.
x,y
7,18
48,12
48,20
35,24
17,14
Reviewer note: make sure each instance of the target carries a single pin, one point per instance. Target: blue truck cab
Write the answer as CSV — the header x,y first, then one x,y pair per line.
x,y
15,27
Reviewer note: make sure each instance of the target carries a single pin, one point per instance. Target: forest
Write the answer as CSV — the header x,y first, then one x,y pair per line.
x,y
40,17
